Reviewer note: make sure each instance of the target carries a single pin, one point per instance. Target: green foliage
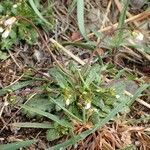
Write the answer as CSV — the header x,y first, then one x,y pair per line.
x,y
118,40
21,30
15,87
39,102
80,17
83,135
56,133
79,96
3,55
17,145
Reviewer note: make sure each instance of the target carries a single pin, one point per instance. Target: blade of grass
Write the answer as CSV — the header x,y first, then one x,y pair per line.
x,y
119,34
32,125
34,7
80,17
72,6
84,134
55,118
68,112
17,145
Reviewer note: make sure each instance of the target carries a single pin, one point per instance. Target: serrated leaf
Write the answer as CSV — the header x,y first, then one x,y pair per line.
x,y
92,75
39,103
66,110
54,118
52,134
60,79
95,118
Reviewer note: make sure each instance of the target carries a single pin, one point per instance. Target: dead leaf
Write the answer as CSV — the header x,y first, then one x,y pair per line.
x,y
75,36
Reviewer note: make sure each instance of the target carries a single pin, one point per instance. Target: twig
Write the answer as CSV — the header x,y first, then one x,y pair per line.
x,y
138,100
77,59
107,11
13,58
138,17
15,81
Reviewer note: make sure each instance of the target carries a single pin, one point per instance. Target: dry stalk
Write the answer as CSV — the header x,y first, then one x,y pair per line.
x,y
138,17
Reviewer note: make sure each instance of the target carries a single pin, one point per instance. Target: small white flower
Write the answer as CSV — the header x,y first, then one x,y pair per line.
x,y
88,106
117,96
6,33
139,36
15,6
1,29
67,101
9,21
98,90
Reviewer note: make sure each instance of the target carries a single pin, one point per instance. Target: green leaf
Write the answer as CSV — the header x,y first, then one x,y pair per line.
x,y
95,118
48,115
17,145
38,13
92,75
68,112
41,103
84,134
80,17
52,134
119,33
3,55
32,125
15,87
60,79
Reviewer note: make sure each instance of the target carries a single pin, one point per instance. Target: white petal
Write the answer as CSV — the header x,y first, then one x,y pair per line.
x,y
6,33
88,106
10,21
139,37
117,96
67,102
15,6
